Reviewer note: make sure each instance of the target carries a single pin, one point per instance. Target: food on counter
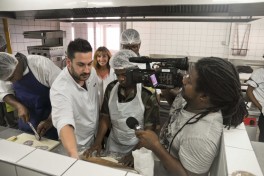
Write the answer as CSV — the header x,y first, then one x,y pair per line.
x,y
28,142
13,138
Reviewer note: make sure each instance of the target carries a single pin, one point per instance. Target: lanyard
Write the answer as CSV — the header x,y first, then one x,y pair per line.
x,y
186,123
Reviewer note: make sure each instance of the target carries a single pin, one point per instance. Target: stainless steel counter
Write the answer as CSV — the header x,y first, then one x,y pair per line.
x,y
9,132
3,128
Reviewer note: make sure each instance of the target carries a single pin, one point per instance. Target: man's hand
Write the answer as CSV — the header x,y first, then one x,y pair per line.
x,y
127,160
76,156
95,147
23,113
44,126
147,139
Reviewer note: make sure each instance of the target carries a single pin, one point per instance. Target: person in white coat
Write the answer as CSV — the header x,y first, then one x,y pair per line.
x,y
74,99
255,93
130,39
124,99
25,85
105,73
7,113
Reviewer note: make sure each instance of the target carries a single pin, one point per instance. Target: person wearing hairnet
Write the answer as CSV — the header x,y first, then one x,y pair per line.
x,y
123,99
130,39
25,85
7,114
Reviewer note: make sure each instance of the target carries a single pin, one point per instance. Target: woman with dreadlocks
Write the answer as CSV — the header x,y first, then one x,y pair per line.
x,y
210,98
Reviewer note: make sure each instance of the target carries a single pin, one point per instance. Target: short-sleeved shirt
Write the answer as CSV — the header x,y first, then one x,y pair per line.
x,y
151,114
256,80
197,144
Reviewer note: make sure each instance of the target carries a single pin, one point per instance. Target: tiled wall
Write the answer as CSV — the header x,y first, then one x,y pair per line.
x,y
169,38
256,40
80,30
68,28
17,27
197,39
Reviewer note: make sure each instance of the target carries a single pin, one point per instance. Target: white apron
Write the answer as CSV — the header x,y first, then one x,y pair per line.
x,y
122,139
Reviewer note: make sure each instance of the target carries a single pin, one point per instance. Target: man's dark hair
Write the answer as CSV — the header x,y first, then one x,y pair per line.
x,y
219,79
78,45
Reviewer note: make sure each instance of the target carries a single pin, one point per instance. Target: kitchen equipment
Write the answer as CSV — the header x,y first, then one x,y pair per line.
x,y
47,51
35,132
60,61
53,44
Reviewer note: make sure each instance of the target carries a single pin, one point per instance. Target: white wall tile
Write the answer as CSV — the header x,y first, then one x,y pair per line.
x,y
207,37
17,27
169,35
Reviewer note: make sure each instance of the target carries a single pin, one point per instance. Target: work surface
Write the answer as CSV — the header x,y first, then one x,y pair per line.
x,y
30,140
22,160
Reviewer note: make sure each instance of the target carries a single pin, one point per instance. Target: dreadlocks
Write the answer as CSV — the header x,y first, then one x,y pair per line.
x,y
219,79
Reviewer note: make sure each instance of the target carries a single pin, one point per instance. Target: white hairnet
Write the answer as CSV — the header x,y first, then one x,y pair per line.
x,y
2,41
8,64
130,36
120,59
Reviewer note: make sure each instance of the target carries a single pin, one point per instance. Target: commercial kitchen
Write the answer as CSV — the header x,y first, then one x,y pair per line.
x,y
228,29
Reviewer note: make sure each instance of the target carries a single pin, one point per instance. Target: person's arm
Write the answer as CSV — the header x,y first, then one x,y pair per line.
x,y
68,140
21,109
170,94
151,114
104,124
150,140
44,126
252,97
63,118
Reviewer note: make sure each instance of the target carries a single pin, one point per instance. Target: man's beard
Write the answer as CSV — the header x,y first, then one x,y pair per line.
x,y
77,77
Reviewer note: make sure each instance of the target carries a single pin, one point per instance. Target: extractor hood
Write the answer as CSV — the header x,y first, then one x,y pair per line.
x,y
80,10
